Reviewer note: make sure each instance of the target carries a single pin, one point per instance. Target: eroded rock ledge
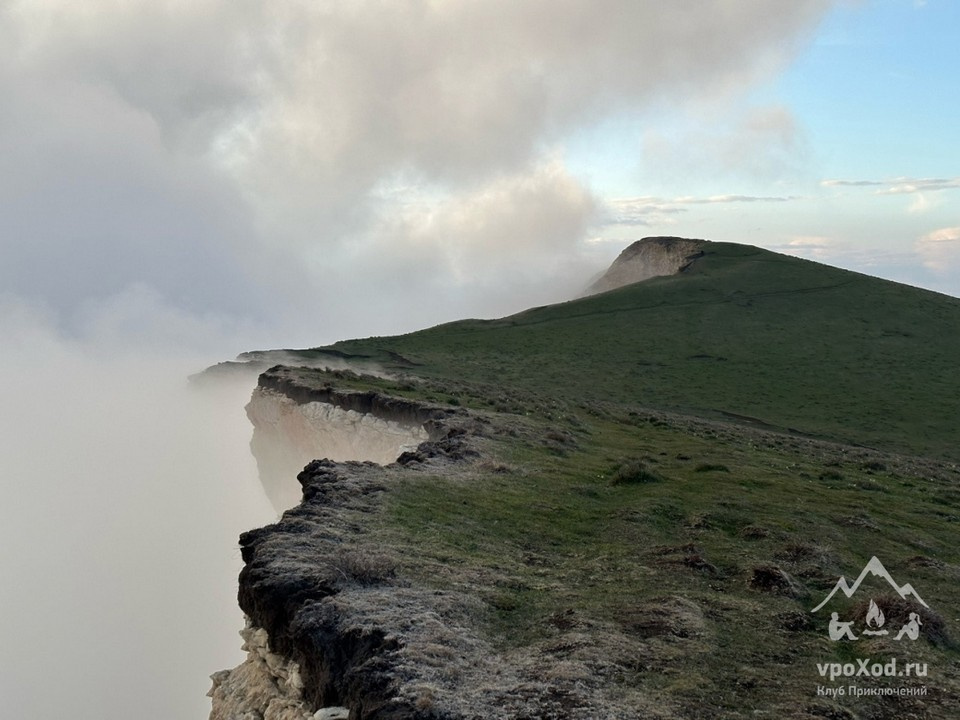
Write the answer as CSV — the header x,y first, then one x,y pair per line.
x,y
298,418
330,624
325,591
648,258
301,386
265,686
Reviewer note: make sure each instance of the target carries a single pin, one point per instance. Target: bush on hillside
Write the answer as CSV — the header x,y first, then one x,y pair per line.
x,y
634,472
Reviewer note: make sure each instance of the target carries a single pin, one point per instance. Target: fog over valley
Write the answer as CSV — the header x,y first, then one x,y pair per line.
x,y
124,490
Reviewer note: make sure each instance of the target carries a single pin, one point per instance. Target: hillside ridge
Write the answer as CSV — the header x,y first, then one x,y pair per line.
x,y
741,332
630,511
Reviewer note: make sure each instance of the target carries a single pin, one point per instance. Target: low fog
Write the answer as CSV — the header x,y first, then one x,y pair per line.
x,y
124,491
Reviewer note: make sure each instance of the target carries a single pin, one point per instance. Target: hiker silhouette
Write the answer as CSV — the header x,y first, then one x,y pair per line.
x,y
911,628
839,630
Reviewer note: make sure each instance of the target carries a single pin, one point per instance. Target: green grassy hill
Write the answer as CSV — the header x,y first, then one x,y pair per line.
x,y
743,333
671,480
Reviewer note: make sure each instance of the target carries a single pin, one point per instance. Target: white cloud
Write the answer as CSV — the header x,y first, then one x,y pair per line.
x,y
921,203
816,242
525,231
650,211
642,211
761,143
228,155
723,199
940,250
899,185
925,194
525,220
811,247
123,495
850,183
903,186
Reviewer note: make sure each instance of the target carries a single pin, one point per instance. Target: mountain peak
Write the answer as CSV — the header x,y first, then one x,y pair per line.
x,y
876,569
648,258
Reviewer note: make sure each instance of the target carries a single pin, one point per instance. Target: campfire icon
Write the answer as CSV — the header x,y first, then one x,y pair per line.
x,y
875,620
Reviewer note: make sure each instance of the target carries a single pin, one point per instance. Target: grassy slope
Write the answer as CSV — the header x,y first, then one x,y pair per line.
x,y
652,582
793,343
557,546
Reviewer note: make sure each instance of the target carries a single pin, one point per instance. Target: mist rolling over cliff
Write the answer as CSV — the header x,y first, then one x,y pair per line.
x,y
184,181
123,490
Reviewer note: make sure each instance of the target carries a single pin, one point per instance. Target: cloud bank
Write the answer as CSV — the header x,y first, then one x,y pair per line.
x,y
258,160
760,144
900,185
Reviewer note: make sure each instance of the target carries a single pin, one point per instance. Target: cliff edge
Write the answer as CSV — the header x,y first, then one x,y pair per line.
x,y
648,258
339,620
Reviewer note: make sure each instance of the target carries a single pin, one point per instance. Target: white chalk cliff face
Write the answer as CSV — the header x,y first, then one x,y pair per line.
x,y
265,687
649,258
292,428
289,434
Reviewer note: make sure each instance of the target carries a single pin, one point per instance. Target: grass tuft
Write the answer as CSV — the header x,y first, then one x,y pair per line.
x,y
634,472
711,467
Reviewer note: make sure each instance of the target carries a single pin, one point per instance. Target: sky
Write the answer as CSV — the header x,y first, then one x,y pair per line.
x,y
182,181
848,155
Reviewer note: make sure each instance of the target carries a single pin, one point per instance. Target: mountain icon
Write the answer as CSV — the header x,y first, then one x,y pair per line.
x,y
875,568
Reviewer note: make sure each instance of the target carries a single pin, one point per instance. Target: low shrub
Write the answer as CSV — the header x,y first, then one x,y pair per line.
x,y
634,472
711,467
365,568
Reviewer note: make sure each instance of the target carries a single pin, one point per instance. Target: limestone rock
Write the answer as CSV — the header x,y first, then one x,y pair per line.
x,y
648,258
264,687
332,713
297,419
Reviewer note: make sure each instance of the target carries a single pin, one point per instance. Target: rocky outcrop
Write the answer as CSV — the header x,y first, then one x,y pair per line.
x,y
648,258
324,591
336,620
304,385
258,361
265,687
297,419
329,624
344,627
